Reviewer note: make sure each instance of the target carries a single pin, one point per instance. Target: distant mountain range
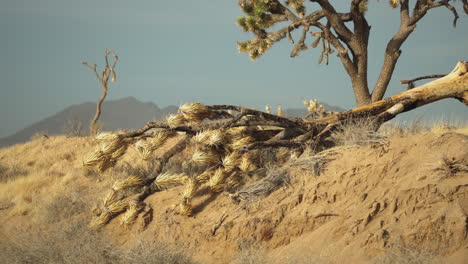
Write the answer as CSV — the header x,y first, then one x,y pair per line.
x,y
126,113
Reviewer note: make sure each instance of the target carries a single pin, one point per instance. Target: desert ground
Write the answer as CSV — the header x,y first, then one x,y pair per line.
x,y
398,196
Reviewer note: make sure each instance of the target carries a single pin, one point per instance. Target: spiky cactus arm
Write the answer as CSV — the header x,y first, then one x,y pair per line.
x,y
334,33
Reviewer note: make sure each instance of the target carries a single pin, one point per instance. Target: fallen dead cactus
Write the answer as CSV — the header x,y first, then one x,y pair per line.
x,y
226,142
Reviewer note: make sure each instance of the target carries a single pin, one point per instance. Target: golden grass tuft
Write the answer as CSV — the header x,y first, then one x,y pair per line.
x,y
109,212
216,182
246,165
202,137
237,132
176,120
238,143
185,207
130,182
195,112
205,176
93,159
171,179
120,152
154,143
232,161
205,157
213,138
191,187
110,198
130,216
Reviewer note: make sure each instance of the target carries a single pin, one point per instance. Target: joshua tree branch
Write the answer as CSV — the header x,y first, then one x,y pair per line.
x,y
411,82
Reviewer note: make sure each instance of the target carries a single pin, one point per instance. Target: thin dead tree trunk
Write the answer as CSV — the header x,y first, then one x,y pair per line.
x,y
103,80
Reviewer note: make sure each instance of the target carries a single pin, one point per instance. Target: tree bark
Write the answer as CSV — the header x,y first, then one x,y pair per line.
x,y
98,108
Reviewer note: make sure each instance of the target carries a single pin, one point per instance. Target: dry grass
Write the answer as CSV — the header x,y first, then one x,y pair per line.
x,y
358,133
11,170
398,254
449,167
76,243
438,127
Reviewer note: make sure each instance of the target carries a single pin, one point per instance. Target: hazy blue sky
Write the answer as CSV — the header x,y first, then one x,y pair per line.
x,y
173,52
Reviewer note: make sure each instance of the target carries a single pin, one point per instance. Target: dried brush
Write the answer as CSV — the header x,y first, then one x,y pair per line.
x,y
232,161
202,137
176,120
185,207
104,137
234,181
207,157
237,144
195,112
120,152
155,142
191,188
110,198
109,212
130,216
140,145
106,163
216,182
130,182
205,176
246,165
170,179
93,159
237,132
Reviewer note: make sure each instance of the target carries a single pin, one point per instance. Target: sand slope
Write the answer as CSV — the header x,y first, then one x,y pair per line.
x,y
368,202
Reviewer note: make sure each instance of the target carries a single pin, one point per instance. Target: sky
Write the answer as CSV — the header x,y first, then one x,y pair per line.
x,y
172,52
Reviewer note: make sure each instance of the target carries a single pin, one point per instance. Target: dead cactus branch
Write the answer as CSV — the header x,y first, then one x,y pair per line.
x,y
225,149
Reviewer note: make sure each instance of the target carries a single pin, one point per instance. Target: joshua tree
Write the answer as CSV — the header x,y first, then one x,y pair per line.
x,y
103,80
347,33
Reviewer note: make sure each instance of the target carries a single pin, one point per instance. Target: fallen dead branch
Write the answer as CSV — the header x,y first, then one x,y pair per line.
x,y
226,146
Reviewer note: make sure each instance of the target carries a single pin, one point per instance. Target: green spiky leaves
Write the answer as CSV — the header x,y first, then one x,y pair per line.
x,y
255,47
253,23
254,7
257,15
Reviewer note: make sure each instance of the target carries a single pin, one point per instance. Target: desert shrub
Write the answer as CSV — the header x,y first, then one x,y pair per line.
x,y
73,128
399,254
63,206
39,135
76,243
11,171
359,133
157,254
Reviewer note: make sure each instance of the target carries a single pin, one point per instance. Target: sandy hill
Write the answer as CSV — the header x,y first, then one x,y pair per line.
x,y
402,200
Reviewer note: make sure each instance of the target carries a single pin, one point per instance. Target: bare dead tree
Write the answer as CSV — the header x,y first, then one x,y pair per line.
x,y
107,72
347,33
